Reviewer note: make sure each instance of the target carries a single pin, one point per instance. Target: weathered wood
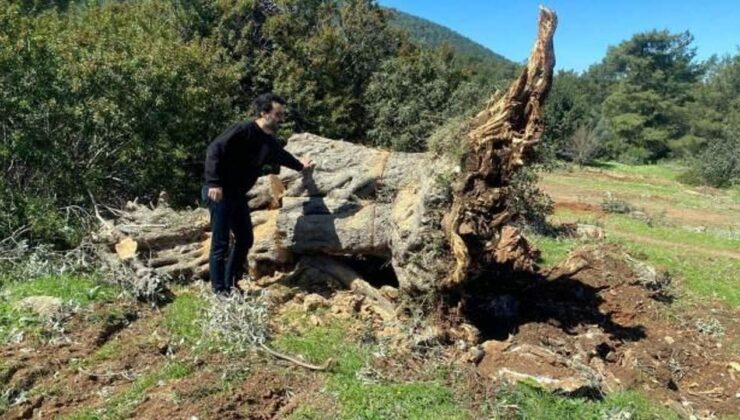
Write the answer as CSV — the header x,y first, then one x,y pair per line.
x,y
361,201
499,143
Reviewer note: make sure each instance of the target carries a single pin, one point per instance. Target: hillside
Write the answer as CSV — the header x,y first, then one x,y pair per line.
x,y
432,35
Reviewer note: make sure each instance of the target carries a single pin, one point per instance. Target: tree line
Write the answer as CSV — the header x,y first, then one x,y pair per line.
x,y
649,100
103,101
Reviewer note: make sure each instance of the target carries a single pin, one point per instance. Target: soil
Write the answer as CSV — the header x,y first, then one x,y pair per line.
x,y
588,201
591,314
592,310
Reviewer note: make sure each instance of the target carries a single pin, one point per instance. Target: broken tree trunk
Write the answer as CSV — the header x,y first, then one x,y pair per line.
x,y
499,144
398,208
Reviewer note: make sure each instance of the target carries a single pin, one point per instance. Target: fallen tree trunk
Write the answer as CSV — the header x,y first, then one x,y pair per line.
x,y
399,208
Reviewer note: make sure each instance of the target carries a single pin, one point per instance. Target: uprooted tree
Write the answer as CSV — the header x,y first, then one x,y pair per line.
x,y
439,223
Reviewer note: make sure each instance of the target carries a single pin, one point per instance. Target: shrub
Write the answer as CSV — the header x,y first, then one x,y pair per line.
x,y
719,163
529,205
612,204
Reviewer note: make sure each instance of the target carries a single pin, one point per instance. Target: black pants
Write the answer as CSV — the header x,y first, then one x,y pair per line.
x,y
231,214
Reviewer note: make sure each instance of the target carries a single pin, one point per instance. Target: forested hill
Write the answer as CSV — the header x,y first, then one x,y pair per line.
x,y
430,34
426,33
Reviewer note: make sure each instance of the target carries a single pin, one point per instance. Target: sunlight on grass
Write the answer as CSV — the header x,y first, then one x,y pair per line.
x,y
552,249
715,277
80,289
526,402
707,240
702,261
361,399
183,317
667,170
71,289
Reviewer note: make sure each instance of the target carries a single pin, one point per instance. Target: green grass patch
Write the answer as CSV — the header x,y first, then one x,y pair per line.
x,y
307,413
108,351
359,399
413,400
77,290
318,343
703,275
183,317
643,183
707,240
383,398
527,402
552,249
690,260
80,289
665,171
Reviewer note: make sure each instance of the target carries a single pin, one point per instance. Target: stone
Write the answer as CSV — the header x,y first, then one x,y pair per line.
x,y
389,292
44,306
535,364
584,231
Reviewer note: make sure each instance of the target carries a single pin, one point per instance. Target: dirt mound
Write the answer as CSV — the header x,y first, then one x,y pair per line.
x,y
598,323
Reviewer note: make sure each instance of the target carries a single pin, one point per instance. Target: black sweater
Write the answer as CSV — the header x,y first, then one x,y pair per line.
x,y
235,158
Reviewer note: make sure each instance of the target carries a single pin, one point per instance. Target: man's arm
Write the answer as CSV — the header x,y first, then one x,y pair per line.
x,y
214,156
284,158
214,161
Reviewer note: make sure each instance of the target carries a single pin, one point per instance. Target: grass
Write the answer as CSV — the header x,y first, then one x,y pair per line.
x,y
80,289
685,254
71,289
644,182
108,351
703,261
183,317
709,239
668,171
715,277
362,399
527,402
356,398
552,249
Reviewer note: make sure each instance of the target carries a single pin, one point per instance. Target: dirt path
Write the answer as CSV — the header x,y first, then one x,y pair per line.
x,y
573,198
567,195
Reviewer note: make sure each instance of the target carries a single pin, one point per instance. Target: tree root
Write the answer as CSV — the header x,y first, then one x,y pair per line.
x,y
328,364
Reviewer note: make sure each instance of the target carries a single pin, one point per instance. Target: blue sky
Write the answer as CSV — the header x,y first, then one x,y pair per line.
x,y
586,27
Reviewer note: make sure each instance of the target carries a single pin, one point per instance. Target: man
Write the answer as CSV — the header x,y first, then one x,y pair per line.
x,y
234,161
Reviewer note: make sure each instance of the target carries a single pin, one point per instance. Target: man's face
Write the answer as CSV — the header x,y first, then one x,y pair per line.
x,y
274,118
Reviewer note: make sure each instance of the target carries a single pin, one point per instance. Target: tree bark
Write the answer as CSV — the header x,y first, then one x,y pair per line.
x,y
365,202
499,144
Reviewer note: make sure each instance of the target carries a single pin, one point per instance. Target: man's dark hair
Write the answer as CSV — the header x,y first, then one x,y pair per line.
x,y
263,103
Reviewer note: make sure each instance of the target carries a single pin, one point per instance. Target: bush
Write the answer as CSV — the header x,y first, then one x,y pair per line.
x,y
719,163
104,100
411,96
612,204
583,145
529,205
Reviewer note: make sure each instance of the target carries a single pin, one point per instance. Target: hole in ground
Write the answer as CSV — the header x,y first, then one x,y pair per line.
x,y
378,271
499,305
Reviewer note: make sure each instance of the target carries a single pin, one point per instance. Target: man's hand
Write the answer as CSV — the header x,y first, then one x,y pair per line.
x,y
215,193
307,163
